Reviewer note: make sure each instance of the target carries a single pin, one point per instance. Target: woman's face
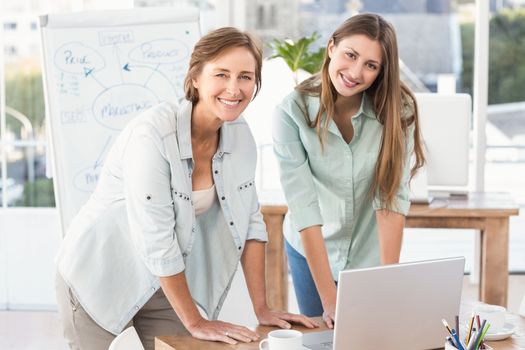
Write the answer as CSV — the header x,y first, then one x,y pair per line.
x,y
354,64
226,85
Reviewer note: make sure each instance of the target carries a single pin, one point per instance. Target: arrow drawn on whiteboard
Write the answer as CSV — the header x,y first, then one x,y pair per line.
x,y
88,71
155,70
129,67
98,162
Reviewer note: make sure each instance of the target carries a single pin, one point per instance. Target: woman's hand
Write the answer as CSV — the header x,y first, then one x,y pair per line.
x,y
329,315
222,331
268,317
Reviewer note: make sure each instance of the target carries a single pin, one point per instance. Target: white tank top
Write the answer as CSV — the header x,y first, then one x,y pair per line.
x,y
203,199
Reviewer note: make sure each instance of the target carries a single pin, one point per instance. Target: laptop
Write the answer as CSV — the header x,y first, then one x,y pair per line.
x,y
393,307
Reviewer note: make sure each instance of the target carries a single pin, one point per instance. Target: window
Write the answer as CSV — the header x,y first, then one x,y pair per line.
x,y
505,157
436,41
23,139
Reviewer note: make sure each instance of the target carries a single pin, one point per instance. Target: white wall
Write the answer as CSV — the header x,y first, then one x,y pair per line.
x,y
29,239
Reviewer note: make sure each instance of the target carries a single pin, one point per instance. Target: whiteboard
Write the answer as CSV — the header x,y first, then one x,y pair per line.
x,y
100,69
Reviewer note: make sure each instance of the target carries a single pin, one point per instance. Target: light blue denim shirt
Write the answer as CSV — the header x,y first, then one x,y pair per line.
x,y
140,223
330,187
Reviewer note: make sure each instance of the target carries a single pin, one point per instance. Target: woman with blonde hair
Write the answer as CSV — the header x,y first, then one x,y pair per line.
x,y
344,140
174,211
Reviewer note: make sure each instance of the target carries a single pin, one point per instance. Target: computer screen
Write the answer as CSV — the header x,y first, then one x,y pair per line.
x,y
445,127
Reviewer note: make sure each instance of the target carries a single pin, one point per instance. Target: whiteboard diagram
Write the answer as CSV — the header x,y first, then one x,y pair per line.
x,y
98,77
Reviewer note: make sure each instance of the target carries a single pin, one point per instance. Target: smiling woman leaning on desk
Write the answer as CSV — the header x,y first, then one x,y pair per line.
x,y
174,211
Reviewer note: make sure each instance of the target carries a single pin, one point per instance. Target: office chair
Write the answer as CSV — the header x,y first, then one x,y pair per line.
x,y
127,340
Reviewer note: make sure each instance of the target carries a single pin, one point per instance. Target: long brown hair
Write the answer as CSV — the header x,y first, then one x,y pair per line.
x,y
388,95
211,46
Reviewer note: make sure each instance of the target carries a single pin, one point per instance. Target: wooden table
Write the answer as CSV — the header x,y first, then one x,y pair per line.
x,y
487,212
186,342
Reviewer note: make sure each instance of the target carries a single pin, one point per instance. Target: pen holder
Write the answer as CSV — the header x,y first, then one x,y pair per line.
x,y
450,347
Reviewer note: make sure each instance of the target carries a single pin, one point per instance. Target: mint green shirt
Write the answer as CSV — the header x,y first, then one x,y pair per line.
x,y
331,188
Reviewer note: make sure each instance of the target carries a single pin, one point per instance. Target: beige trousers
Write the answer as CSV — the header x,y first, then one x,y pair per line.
x,y
82,333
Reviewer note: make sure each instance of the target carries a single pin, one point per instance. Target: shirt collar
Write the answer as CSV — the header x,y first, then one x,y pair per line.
x,y
366,109
184,132
227,137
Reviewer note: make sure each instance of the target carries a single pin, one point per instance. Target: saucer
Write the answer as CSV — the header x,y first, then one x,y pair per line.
x,y
508,329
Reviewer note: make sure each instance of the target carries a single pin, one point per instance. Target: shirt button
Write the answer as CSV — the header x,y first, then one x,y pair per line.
x,y
239,247
231,223
216,171
223,198
153,288
184,254
136,307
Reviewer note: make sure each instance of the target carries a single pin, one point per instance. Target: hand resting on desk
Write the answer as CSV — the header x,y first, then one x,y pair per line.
x,y
268,317
231,333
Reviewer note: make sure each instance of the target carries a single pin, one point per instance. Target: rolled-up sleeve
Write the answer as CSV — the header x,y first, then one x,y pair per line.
x,y
296,176
149,202
402,203
256,226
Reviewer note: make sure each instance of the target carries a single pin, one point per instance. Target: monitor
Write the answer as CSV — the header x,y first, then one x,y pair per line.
x,y
445,127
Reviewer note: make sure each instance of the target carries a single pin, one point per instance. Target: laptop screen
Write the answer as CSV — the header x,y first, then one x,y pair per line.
x,y
397,306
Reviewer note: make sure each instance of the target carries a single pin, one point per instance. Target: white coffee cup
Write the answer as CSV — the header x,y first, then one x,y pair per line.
x,y
283,339
494,314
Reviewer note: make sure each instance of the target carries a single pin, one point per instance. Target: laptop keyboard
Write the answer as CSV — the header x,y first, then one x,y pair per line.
x,y
323,340
322,346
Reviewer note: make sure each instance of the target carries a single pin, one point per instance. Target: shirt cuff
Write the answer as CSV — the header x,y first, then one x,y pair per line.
x,y
261,236
166,267
306,217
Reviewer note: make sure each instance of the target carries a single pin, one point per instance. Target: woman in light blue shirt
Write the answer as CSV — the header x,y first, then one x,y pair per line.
x,y
174,212
344,139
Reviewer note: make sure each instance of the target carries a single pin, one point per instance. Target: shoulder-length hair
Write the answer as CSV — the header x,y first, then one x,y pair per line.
x,y
388,95
211,46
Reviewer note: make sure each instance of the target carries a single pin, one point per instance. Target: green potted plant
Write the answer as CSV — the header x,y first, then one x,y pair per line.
x,y
297,54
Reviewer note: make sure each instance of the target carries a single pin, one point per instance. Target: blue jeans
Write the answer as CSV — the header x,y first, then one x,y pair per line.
x,y
305,290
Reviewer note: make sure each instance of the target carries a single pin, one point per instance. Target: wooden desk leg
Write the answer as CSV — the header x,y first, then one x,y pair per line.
x,y
494,274
276,263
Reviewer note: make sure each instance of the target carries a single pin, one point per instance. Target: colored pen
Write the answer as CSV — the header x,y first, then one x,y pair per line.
x,y
469,329
458,342
449,339
457,326
479,327
445,323
480,332
483,334
471,345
